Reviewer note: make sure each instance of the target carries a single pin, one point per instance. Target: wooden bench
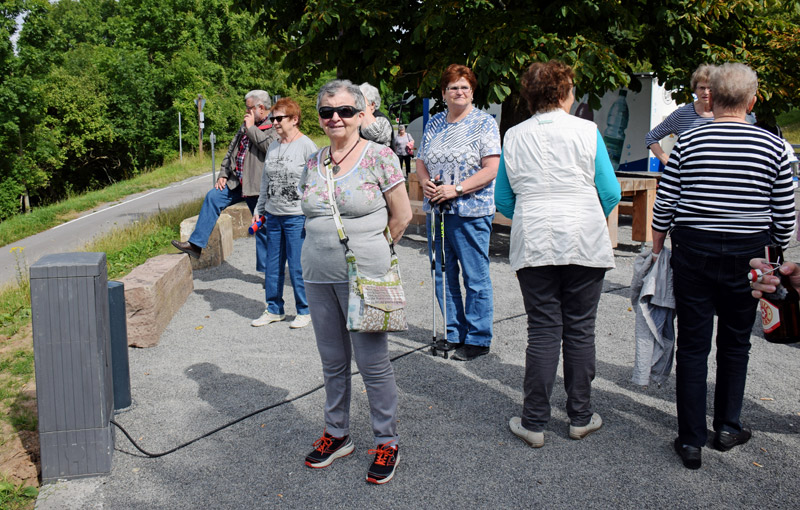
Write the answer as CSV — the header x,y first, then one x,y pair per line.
x,y
643,191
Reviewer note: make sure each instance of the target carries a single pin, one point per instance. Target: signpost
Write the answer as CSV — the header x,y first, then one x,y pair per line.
x,y
213,140
200,102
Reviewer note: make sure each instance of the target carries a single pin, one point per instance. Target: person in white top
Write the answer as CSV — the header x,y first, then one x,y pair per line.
x,y
556,181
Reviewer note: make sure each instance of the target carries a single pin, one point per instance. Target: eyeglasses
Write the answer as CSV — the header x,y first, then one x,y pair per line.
x,y
344,112
248,108
278,118
461,88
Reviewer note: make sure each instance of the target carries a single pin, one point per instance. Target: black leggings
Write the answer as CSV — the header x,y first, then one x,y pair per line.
x,y
405,160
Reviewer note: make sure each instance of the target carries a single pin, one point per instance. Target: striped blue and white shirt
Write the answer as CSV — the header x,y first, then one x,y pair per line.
x,y
678,122
727,177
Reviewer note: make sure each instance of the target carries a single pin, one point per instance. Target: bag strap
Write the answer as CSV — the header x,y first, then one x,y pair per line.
x,y
337,217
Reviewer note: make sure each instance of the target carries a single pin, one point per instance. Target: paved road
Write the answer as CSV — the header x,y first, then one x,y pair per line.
x,y
76,233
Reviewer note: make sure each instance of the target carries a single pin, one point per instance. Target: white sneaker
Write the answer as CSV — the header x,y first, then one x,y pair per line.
x,y
580,432
534,439
300,321
267,318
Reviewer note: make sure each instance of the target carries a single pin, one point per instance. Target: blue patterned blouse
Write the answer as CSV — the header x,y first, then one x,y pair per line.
x,y
454,151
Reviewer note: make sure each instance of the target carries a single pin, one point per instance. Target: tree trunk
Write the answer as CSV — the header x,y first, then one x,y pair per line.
x,y
514,111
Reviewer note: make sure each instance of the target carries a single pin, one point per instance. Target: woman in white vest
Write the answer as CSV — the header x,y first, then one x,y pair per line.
x,y
557,183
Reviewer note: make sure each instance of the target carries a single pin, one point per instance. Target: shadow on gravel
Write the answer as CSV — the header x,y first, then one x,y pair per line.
x,y
226,271
233,301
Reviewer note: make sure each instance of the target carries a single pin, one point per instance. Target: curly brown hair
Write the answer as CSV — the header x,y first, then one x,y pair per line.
x,y
455,72
289,107
545,84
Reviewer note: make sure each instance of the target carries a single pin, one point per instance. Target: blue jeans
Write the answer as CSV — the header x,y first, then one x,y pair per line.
x,y
285,236
217,200
466,244
709,278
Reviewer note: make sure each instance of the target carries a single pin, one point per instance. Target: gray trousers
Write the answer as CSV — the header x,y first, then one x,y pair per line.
x,y
336,345
561,302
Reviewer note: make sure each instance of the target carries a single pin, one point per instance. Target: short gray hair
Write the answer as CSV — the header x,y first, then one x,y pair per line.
x,y
333,87
702,73
733,86
371,94
261,96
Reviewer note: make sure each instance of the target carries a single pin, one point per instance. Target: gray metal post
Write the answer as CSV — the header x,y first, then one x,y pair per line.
x,y
120,369
180,137
72,359
213,140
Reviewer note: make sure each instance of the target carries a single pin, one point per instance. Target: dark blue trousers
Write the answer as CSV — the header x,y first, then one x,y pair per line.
x,y
710,278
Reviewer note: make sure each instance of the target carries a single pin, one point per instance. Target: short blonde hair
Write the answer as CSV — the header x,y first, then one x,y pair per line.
x,y
733,86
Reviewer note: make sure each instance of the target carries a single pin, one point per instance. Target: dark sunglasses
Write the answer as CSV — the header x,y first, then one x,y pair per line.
x,y
278,118
345,112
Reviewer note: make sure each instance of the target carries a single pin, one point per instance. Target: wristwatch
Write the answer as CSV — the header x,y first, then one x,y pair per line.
x,y
459,190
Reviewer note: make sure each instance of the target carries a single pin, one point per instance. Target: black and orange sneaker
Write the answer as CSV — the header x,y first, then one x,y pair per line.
x,y
327,449
382,469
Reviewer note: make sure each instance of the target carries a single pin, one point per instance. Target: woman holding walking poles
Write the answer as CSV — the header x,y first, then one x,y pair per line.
x,y
456,164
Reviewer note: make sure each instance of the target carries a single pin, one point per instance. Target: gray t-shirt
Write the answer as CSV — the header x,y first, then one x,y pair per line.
x,y
359,196
282,169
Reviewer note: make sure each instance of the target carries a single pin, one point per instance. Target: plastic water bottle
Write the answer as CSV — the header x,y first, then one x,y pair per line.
x,y
614,135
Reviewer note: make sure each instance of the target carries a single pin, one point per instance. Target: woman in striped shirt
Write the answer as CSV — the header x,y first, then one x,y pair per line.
x,y
725,194
686,117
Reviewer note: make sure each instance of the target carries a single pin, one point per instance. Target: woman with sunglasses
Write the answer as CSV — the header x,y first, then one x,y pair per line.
x,y
457,164
370,195
279,202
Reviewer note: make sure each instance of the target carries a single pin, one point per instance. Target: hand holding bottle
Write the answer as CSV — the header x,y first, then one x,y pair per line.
x,y
769,281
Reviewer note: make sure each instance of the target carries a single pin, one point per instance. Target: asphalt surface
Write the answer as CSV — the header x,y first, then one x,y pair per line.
x,y
75,234
456,451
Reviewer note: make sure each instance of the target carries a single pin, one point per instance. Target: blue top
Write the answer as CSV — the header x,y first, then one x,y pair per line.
x,y
604,180
454,152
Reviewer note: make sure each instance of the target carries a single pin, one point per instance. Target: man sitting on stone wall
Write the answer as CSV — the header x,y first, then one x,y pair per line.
x,y
239,177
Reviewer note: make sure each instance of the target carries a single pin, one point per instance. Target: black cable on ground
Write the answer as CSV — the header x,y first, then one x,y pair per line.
x,y
282,402
234,422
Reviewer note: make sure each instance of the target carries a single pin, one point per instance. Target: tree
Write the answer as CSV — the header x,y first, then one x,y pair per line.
x,y
405,44
94,91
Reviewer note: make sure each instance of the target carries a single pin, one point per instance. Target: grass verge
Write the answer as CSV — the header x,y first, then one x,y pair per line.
x,y
125,249
16,497
790,124
43,218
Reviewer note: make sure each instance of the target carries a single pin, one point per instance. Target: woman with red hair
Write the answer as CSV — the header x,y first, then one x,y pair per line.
x,y
457,164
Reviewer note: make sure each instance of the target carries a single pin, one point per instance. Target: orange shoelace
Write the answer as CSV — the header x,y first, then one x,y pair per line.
x,y
384,454
322,444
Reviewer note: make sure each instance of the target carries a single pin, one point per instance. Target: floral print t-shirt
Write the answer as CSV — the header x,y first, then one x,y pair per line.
x,y
359,196
454,150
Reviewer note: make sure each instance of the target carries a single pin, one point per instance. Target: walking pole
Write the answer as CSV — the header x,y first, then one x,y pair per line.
x,y
444,207
433,278
439,347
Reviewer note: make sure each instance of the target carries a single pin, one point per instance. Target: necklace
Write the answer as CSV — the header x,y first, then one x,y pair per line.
x,y
336,166
287,144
